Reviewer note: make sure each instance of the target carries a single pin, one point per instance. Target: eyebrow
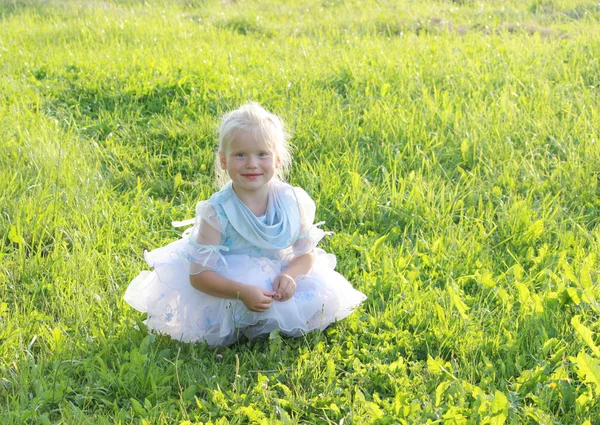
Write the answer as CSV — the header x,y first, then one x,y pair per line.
x,y
260,150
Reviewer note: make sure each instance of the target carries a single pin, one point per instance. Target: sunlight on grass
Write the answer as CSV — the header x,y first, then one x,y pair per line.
x,y
452,146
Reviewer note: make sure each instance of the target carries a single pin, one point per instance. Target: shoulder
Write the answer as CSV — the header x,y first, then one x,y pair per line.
x,y
211,211
213,204
204,207
306,205
221,196
303,197
295,192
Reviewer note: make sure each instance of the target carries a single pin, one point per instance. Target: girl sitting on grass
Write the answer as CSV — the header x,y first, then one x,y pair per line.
x,y
249,265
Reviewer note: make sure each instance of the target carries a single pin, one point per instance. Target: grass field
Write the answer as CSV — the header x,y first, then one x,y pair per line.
x,y
452,146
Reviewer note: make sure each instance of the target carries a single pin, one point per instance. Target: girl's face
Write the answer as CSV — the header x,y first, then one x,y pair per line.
x,y
249,164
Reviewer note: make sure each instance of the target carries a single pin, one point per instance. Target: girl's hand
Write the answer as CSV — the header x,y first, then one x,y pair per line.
x,y
256,298
284,286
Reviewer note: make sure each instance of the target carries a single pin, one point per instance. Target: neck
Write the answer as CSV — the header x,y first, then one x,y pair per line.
x,y
256,200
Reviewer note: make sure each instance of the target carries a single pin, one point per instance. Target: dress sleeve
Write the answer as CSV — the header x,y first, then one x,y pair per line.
x,y
205,240
310,234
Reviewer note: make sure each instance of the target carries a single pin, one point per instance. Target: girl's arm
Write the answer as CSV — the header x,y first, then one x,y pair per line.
x,y
211,283
300,265
284,285
254,297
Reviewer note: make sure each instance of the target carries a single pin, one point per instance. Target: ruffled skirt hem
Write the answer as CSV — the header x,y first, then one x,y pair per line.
x,y
175,308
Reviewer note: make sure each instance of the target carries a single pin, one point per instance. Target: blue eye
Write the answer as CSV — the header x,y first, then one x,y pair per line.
x,y
264,154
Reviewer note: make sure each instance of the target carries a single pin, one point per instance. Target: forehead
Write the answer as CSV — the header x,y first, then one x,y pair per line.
x,y
248,141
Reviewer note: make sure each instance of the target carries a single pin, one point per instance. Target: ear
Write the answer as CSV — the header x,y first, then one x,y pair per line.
x,y
222,160
278,161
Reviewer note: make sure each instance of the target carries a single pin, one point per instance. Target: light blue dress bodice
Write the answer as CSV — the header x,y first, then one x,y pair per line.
x,y
284,232
244,232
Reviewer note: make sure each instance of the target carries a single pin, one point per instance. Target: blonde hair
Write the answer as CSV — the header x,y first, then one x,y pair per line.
x,y
252,117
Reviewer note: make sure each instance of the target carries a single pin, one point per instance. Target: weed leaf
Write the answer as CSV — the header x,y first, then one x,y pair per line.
x,y
586,334
458,303
588,369
499,409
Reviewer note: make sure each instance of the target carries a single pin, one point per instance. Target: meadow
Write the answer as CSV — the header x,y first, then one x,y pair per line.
x,y
453,147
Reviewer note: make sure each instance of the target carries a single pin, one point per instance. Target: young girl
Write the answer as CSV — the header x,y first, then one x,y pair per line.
x,y
250,263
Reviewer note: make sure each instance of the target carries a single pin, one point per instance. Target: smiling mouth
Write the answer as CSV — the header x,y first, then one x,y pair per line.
x,y
251,175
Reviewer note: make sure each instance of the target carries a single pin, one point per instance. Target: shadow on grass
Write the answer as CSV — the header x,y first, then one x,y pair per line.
x,y
153,133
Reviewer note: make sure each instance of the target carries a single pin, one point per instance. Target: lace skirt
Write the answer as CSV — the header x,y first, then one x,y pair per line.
x,y
175,308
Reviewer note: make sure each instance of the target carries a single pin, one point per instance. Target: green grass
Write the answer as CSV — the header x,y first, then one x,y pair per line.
x,y
452,146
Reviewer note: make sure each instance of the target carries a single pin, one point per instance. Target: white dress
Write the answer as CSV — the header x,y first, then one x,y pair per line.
x,y
253,251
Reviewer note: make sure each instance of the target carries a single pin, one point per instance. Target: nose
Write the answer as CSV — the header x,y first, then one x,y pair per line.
x,y
251,162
